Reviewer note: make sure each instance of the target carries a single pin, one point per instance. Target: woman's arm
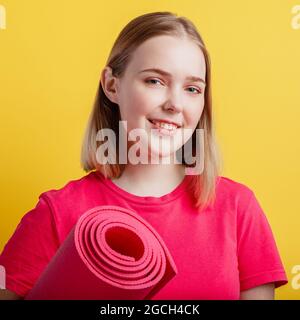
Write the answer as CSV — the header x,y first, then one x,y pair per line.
x,y
263,292
8,295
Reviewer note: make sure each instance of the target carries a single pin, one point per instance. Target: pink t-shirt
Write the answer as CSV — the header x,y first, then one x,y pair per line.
x,y
227,248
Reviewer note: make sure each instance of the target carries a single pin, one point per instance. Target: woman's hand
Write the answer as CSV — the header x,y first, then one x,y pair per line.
x,y
8,295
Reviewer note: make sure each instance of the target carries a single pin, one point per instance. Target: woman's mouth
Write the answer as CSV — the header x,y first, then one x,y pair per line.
x,y
163,128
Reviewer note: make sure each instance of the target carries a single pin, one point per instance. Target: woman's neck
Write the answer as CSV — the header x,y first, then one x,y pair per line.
x,y
150,179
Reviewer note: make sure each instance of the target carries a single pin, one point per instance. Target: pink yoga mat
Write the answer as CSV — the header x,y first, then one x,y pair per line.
x,y
111,253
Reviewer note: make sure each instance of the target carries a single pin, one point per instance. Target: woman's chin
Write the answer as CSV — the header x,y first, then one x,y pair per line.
x,y
159,154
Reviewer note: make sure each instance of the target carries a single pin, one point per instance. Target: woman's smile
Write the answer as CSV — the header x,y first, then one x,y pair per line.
x,y
162,128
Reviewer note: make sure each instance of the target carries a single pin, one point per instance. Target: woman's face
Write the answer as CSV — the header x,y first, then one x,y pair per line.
x,y
146,96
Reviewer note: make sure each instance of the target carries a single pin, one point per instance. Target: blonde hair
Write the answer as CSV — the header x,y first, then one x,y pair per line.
x,y
106,114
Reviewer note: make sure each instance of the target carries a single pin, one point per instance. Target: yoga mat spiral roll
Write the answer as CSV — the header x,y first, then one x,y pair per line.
x,y
110,253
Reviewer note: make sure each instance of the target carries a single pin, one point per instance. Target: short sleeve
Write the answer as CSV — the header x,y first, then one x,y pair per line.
x,y
29,249
258,257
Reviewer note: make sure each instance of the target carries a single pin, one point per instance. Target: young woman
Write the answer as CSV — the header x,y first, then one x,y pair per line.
x,y
157,79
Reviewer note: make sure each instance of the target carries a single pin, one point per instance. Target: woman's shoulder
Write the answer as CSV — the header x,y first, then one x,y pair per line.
x,y
236,190
72,189
233,185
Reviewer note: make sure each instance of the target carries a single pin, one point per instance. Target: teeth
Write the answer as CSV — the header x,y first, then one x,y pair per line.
x,y
164,125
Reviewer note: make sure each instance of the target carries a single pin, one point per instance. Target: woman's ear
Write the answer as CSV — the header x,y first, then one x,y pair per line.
x,y
108,82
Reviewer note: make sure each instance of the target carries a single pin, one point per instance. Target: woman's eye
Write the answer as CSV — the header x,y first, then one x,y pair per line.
x,y
197,90
147,81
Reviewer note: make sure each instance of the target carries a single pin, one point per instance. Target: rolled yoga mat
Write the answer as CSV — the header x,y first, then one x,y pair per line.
x,y
111,253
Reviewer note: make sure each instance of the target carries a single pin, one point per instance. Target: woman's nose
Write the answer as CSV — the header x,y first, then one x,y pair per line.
x,y
174,103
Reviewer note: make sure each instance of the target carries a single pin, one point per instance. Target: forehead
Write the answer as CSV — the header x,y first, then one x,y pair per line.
x,y
179,56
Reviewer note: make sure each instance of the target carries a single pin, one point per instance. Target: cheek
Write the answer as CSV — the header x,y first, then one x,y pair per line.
x,y
193,115
138,101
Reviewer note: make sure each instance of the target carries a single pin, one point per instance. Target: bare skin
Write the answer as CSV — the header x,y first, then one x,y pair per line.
x,y
263,292
144,95
8,295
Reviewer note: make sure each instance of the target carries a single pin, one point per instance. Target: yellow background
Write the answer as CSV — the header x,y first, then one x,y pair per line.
x,y
51,56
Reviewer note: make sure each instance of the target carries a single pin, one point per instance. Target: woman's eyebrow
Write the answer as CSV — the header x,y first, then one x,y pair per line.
x,y
165,73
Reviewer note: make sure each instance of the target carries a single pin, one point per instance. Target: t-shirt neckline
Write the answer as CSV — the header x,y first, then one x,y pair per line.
x,y
172,195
